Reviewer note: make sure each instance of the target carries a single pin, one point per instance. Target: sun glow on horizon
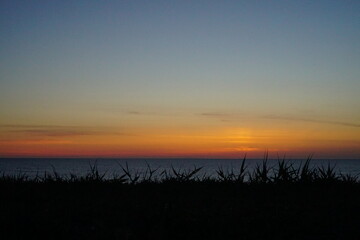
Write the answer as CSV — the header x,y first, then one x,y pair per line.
x,y
217,142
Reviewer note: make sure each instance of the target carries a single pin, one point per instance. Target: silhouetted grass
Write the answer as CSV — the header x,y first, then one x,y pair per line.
x,y
284,201
284,172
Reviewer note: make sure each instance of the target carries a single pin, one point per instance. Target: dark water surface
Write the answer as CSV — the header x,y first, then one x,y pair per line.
x,y
111,166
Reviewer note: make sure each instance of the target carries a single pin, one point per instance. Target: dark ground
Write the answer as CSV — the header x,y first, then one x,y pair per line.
x,y
190,210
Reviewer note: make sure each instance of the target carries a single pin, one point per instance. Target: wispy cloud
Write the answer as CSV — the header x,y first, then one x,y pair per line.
x,y
287,118
58,130
222,116
148,113
140,111
132,112
215,114
27,126
36,142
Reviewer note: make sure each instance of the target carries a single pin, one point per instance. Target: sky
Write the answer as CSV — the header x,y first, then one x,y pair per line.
x,y
208,79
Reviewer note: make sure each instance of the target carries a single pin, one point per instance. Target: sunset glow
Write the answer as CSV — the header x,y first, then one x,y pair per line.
x,y
180,79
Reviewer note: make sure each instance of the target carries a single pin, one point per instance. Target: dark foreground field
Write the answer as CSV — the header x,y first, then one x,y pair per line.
x,y
289,205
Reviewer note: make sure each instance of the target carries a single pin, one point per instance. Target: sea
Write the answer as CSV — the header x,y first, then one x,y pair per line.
x,y
112,167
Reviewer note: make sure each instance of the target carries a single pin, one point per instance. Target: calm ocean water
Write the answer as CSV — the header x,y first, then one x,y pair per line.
x,y
81,166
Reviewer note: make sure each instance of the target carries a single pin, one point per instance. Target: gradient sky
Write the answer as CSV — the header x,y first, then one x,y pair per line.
x,y
180,78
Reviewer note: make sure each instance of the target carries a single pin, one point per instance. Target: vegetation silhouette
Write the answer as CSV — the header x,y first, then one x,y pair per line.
x,y
268,202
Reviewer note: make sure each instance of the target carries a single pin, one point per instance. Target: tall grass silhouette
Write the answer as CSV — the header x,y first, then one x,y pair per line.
x,y
280,201
284,172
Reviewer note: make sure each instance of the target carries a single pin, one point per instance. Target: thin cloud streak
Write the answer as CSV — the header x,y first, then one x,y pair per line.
x,y
60,131
133,112
27,126
224,117
56,132
228,116
275,117
150,113
215,114
139,111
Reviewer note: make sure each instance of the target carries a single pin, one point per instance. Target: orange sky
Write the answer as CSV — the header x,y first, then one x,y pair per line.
x,y
205,138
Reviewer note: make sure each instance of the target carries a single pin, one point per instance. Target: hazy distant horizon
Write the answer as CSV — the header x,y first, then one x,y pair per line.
x,y
96,158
